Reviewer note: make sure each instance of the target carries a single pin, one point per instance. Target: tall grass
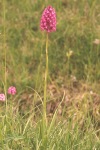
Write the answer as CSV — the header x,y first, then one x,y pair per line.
x,y
73,124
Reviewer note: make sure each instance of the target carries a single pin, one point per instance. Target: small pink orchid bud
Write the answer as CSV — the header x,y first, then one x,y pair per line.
x,y
2,97
12,90
48,19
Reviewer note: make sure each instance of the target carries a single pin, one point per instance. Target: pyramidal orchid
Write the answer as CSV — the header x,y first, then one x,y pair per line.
x,y
48,24
48,19
12,90
2,97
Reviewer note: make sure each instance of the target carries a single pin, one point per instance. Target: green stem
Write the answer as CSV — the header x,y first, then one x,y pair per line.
x,y
68,66
45,87
4,43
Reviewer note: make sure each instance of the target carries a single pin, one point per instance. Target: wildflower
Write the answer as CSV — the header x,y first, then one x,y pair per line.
x,y
48,19
12,90
69,54
2,97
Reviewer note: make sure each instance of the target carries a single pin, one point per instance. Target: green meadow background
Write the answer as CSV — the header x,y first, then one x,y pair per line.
x,y
73,91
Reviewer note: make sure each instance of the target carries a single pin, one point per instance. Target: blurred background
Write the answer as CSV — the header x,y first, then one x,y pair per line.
x,y
74,54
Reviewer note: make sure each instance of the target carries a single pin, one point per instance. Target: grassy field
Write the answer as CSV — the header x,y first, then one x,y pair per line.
x,y
73,87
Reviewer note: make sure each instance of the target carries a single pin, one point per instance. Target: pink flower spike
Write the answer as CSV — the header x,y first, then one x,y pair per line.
x,y
2,97
12,90
48,19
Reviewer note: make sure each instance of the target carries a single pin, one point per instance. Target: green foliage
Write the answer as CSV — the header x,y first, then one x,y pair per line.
x,y
78,30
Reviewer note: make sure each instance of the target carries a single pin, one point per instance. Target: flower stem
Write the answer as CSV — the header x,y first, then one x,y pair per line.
x,y
4,43
45,87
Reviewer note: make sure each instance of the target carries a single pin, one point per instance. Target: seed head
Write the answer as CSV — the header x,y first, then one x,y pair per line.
x,y
48,19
